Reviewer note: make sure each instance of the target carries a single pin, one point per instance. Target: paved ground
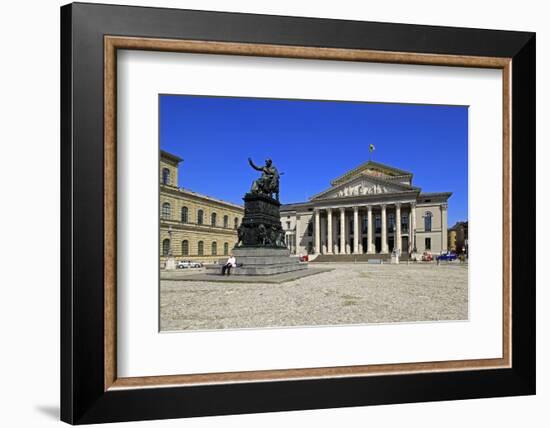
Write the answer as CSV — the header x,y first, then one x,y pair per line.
x,y
206,276
349,294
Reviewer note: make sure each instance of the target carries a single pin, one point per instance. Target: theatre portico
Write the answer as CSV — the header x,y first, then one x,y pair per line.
x,y
372,209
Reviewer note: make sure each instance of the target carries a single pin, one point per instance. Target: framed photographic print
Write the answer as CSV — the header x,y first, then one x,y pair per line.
x,y
265,213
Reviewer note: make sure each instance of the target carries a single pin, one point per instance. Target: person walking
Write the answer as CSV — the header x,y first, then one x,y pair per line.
x,y
230,263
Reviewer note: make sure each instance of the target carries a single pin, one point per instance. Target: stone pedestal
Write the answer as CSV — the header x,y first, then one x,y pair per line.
x,y
265,261
261,249
170,263
261,225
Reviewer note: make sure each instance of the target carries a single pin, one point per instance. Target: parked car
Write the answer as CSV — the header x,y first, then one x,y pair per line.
x,y
427,256
187,264
448,256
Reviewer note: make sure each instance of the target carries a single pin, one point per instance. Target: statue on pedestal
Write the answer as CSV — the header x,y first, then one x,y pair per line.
x,y
261,225
261,247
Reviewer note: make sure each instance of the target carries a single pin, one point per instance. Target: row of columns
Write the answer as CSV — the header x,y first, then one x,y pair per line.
x,y
356,234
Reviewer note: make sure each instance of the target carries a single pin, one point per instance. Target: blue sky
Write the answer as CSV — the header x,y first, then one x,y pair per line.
x,y
313,142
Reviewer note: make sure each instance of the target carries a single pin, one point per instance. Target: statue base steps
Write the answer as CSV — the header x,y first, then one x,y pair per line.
x,y
262,261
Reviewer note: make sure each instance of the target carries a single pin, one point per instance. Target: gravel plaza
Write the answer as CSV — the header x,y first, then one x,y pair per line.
x,y
350,293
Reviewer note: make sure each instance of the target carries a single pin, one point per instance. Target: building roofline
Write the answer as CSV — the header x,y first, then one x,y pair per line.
x,y
291,206
182,190
170,156
459,223
435,194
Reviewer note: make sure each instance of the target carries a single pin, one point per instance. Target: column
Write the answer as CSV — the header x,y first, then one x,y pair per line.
x,y
410,232
317,232
384,230
413,226
370,240
348,236
323,235
444,238
334,240
355,230
397,237
329,231
342,231
298,242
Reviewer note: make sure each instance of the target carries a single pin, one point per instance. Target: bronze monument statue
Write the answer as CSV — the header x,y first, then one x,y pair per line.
x,y
268,183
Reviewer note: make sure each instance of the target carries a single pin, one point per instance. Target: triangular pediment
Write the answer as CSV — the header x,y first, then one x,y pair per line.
x,y
363,185
375,170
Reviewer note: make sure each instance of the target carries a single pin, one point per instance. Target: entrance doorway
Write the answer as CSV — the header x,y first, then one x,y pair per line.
x,y
404,244
390,244
378,244
365,245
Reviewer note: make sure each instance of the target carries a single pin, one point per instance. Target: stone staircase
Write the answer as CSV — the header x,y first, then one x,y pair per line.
x,y
356,258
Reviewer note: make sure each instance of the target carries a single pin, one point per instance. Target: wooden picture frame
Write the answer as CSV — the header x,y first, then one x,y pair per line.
x,y
91,390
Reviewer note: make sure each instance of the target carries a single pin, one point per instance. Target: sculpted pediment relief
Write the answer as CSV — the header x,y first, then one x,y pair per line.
x,y
361,189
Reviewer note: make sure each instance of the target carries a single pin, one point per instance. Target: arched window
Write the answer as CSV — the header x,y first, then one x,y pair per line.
x,y
184,215
428,221
201,248
166,247
225,248
225,221
213,219
236,223
166,210
200,216
165,176
214,248
185,248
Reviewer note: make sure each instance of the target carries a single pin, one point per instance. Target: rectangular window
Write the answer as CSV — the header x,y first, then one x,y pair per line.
x,y
391,222
288,225
428,243
365,224
405,223
310,229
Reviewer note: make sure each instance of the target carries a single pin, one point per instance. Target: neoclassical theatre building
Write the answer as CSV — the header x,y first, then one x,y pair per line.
x,y
193,226
371,209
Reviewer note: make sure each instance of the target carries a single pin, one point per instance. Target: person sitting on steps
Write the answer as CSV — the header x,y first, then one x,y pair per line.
x,y
230,263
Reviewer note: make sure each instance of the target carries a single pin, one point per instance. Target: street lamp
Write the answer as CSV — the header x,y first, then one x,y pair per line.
x,y
169,241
